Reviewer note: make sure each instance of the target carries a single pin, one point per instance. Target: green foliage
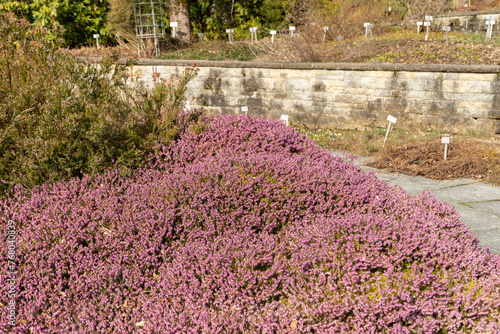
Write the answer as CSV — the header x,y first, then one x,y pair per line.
x,y
213,17
80,19
60,118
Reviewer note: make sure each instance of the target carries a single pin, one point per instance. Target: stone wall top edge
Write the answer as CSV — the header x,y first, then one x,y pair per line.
x,y
317,66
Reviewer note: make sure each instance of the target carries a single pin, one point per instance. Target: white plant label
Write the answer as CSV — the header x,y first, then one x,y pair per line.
x,y
230,33
96,36
428,18
392,120
284,118
272,32
244,109
253,33
368,29
446,29
445,141
174,24
419,24
292,28
325,29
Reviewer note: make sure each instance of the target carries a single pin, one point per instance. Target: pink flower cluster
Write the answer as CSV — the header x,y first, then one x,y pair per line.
x,y
247,227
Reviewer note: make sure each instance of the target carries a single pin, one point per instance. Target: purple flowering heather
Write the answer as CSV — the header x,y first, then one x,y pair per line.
x,y
247,227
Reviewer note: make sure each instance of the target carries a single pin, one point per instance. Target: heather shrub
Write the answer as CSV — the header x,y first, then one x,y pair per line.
x,y
60,118
248,227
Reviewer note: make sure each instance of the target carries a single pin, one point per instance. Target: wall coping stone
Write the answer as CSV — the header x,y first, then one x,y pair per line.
x,y
443,68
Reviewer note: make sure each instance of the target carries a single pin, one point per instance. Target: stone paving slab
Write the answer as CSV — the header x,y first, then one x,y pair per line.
x,y
490,207
477,192
478,204
413,188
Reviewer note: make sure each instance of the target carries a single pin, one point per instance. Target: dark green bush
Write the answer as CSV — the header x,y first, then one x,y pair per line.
x,y
61,118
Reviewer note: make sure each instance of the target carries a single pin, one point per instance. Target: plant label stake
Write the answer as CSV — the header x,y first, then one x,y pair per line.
x,y
244,109
489,29
284,119
446,29
445,141
368,29
340,39
325,29
253,32
200,36
419,24
392,120
174,25
427,24
96,36
272,32
230,32
292,29
187,106
466,23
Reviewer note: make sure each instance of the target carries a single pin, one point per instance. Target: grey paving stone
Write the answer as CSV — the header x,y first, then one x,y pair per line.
x,y
468,193
475,219
489,206
413,188
452,183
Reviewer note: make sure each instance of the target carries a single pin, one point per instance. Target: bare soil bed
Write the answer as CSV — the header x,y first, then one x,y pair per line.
x,y
472,156
467,158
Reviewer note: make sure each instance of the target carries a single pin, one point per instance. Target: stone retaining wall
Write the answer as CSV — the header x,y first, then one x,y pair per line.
x,y
456,98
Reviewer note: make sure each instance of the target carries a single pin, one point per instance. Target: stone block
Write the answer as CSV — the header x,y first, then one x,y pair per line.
x,y
451,76
367,82
483,87
399,105
298,85
350,98
424,76
332,75
405,75
377,74
470,97
472,112
382,93
474,105
298,74
454,86
424,95
478,77
348,90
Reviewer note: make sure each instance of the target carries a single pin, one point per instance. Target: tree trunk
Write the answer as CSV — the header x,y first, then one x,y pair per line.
x,y
179,12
